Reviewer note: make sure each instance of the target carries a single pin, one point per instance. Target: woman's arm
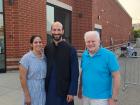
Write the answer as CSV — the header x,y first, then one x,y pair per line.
x,y
23,80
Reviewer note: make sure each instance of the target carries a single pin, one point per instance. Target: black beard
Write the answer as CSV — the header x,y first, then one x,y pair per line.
x,y
57,38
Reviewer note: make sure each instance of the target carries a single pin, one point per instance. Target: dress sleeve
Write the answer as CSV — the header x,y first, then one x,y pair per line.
x,y
74,72
24,62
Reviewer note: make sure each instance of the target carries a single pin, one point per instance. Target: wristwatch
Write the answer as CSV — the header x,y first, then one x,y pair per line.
x,y
115,99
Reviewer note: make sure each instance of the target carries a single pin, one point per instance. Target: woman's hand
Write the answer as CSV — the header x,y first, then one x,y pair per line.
x,y
27,100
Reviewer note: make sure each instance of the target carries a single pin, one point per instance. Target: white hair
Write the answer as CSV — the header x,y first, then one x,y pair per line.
x,y
93,33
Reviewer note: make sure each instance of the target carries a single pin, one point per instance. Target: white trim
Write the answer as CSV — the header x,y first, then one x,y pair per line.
x,y
12,67
60,4
98,26
12,59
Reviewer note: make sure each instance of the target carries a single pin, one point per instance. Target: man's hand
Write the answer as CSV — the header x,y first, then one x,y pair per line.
x,y
70,98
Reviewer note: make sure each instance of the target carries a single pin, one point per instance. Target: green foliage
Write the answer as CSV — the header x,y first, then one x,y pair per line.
x,y
136,33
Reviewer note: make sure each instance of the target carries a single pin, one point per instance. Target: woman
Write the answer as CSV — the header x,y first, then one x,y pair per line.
x,y
32,71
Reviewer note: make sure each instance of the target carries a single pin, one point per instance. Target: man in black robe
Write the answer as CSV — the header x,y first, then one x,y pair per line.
x,y
62,69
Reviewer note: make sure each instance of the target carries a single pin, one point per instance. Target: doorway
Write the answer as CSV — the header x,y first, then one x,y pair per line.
x,y
2,40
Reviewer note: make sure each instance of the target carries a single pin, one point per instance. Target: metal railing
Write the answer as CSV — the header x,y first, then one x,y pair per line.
x,y
131,75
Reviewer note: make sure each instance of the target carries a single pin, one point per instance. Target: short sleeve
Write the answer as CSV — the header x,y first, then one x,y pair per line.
x,y
113,63
24,62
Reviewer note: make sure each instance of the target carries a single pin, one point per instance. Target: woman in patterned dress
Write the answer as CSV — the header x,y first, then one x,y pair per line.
x,y
32,71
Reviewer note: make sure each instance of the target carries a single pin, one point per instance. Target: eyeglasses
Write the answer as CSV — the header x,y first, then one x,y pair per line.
x,y
35,42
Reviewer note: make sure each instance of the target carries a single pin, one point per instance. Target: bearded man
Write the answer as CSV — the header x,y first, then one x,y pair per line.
x,y
62,69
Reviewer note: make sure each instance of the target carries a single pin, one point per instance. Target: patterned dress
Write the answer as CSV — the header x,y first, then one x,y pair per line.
x,y
36,73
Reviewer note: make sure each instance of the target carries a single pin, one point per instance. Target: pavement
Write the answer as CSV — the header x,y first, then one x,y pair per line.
x,y
11,92
10,89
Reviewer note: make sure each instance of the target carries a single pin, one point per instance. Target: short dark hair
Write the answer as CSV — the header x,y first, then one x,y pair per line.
x,y
128,43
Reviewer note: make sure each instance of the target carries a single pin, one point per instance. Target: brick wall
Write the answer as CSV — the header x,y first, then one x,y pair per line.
x,y
81,21
22,20
69,2
115,21
28,17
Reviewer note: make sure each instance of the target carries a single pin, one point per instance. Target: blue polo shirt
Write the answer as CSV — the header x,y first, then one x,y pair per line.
x,y
97,73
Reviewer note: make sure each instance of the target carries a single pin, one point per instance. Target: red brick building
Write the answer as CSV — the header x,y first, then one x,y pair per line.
x,y
24,18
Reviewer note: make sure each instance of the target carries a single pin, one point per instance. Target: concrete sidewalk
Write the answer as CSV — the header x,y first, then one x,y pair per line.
x,y
10,89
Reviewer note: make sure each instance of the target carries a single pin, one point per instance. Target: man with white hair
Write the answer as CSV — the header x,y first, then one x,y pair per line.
x,y
100,76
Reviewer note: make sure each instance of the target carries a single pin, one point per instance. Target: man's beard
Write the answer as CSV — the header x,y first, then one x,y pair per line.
x,y
56,37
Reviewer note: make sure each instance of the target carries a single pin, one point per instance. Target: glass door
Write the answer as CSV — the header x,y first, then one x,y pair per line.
x,y
2,40
50,20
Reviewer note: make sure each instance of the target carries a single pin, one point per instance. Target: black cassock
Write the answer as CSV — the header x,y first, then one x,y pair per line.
x,y
51,96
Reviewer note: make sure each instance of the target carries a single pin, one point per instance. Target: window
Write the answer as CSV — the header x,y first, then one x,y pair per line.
x,y
2,44
55,13
50,20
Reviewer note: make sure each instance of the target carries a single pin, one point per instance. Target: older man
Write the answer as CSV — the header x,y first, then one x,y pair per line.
x,y
100,77
62,69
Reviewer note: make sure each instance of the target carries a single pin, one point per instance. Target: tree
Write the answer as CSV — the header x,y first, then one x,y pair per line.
x,y
136,33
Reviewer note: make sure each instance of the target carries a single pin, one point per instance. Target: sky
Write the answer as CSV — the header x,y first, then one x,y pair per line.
x,y
133,9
